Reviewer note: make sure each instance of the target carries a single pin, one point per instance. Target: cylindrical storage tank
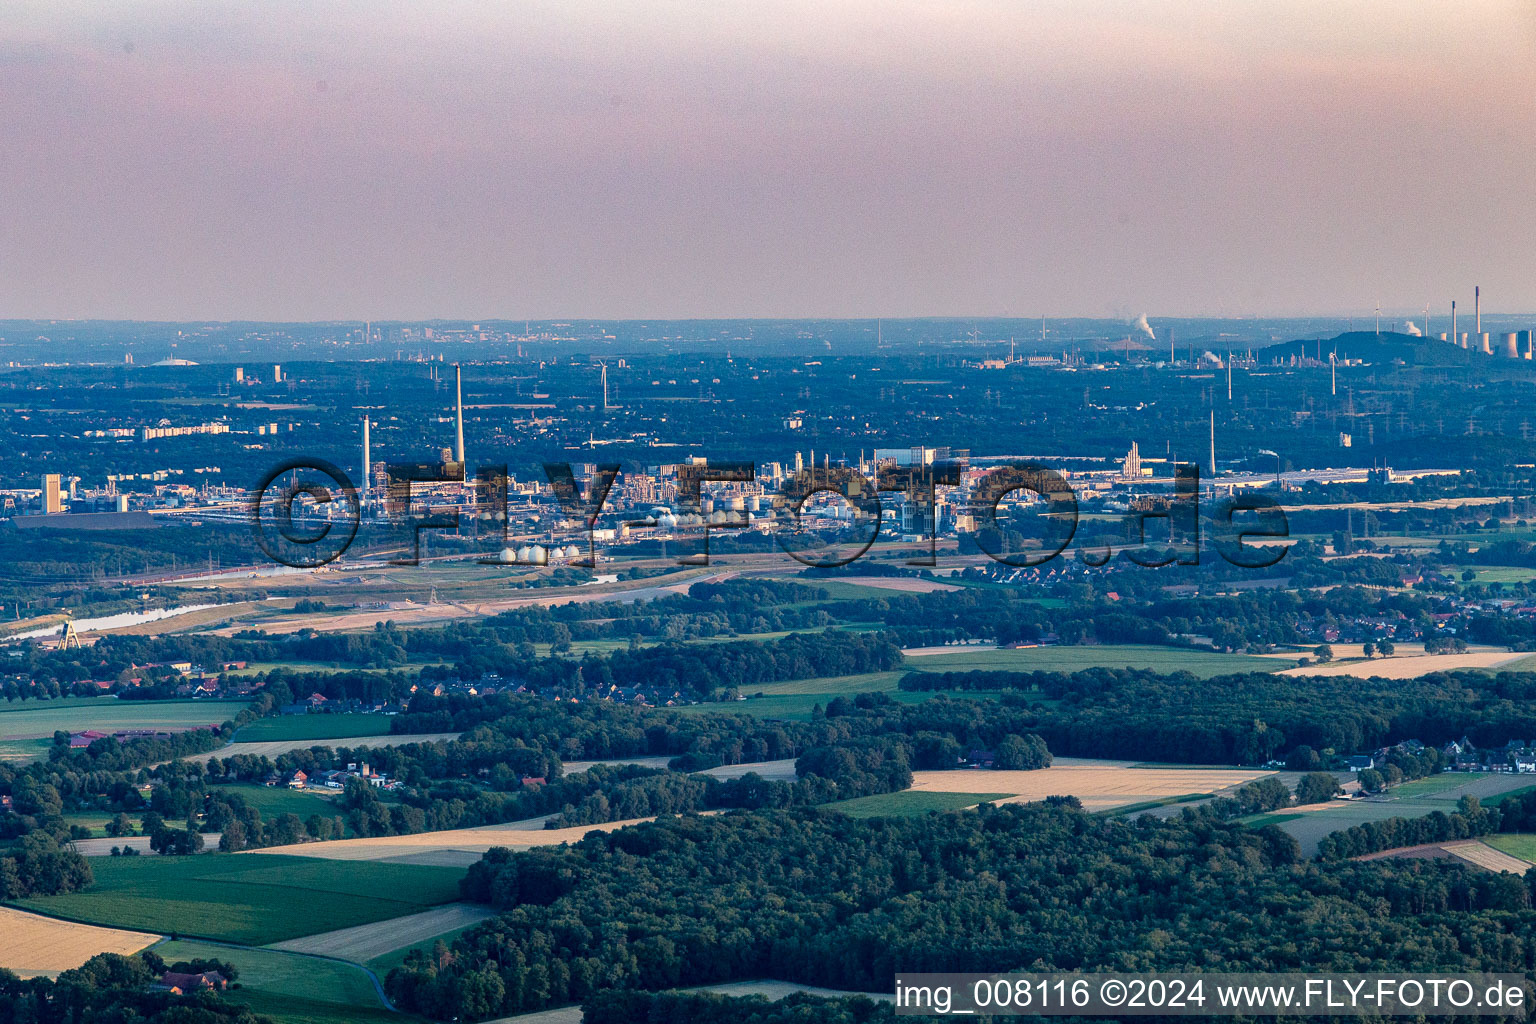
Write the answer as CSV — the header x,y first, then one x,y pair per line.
x,y
1512,345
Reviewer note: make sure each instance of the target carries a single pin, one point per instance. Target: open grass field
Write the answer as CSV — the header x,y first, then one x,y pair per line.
x,y
800,707
795,700
1497,798
841,590
1311,823
253,900
910,803
1075,659
32,944
371,941
314,727
1429,786
1498,573
272,801
24,750
58,702
292,988
1273,818
1101,786
271,748
382,965
43,718
902,584
1517,844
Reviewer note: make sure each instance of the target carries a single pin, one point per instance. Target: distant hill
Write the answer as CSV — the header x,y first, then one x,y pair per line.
x,y
1387,347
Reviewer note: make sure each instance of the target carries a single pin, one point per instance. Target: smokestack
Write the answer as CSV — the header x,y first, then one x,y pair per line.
x,y
1454,336
1477,304
1213,444
367,460
605,387
458,390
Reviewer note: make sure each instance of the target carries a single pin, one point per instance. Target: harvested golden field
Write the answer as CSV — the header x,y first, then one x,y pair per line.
x,y
1098,786
33,944
1412,667
1485,856
464,840
1470,851
367,941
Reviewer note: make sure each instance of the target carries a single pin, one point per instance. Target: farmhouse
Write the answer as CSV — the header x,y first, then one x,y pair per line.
x,y
181,984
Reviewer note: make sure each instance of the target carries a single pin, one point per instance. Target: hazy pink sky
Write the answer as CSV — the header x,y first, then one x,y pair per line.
x,y
286,160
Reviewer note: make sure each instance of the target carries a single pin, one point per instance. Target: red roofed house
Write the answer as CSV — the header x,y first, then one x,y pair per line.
x,y
181,984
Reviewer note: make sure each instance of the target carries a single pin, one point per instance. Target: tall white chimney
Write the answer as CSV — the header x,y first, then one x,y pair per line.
x,y
458,388
367,461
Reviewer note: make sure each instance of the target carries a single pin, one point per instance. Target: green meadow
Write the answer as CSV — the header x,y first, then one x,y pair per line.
x,y
797,699
314,727
253,899
909,803
291,987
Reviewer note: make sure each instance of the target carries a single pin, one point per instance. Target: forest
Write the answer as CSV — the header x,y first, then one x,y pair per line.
x,y
1247,718
822,899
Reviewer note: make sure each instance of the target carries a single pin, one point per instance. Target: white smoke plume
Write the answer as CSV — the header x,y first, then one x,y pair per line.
x,y
1412,329
1141,324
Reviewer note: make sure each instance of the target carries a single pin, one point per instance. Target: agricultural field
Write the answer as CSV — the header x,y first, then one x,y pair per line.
x,y
796,700
382,965
247,899
24,750
33,944
1517,844
372,941
1413,666
465,843
272,801
1311,823
7,706
1075,659
272,748
41,719
1100,785
314,727
909,803
293,988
